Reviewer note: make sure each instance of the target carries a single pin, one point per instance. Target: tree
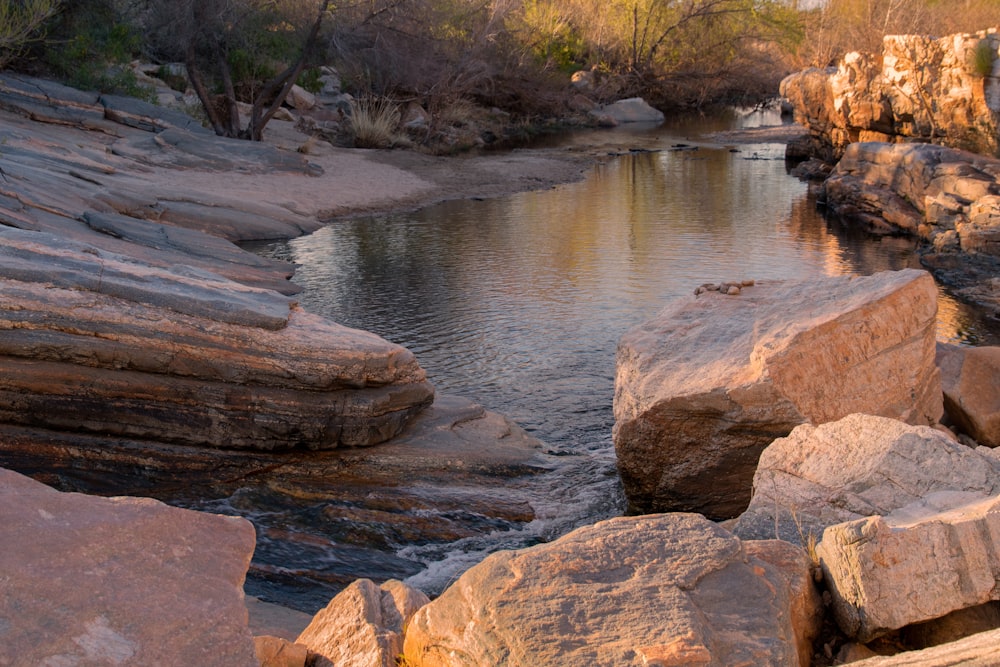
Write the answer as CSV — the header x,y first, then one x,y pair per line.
x,y
20,21
235,44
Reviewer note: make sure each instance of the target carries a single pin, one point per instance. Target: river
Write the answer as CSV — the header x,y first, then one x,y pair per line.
x,y
518,302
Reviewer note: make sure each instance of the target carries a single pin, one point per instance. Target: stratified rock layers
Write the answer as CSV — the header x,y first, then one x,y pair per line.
x,y
100,343
704,386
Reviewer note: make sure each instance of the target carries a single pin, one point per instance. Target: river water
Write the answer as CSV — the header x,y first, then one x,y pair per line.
x,y
518,302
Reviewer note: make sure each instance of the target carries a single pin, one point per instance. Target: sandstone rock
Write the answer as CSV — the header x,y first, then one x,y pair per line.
x,y
918,88
641,590
703,387
856,467
300,99
911,566
921,190
277,652
363,625
115,581
979,650
99,343
632,110
970,378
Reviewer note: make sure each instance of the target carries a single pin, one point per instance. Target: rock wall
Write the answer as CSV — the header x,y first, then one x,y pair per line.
x,y
918,89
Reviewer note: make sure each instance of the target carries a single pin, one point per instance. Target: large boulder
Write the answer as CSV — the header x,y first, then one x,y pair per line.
x,y
913,565
119,581
644,590
631,110
363,625
918,88
853,468
709,382
100,343
970,378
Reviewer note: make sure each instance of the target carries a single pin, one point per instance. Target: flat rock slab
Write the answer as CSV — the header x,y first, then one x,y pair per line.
x,y
640,590
853,468
704,386
885,573
119,581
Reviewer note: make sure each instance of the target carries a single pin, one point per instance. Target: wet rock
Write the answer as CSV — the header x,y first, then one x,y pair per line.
x,y
970,378
113,581
703,387
911,566
586,599
363,625
856,467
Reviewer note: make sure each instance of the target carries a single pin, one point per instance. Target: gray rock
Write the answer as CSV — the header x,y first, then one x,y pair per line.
x,y
632,110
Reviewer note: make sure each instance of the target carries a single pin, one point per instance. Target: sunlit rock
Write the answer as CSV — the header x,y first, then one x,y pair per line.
x,y
119,581
643,590
857,467
710,381
911,566
632,110
363,625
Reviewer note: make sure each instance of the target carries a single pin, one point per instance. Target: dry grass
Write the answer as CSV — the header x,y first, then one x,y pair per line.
x,y
374,122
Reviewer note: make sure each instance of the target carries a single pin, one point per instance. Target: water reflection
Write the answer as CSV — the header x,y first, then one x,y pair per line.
x,y
519,302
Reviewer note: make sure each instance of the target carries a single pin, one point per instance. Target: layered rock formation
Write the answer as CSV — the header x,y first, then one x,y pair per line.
x,y
703,387
645,590
919,88
99,343
119,581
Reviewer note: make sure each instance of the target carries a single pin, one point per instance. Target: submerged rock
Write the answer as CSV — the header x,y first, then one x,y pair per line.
x,y
643,590
704,386
119,581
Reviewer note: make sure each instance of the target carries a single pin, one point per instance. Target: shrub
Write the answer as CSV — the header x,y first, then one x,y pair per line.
x,y
981,58
20,23
373,122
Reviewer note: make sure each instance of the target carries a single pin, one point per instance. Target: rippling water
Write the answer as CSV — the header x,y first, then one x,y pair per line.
x,y
518,302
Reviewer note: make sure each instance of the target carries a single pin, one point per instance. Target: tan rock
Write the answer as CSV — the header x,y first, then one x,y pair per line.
x,y
278,652
856,467
911,566
655,589
970,378
704,386
979,650
363,625
116,581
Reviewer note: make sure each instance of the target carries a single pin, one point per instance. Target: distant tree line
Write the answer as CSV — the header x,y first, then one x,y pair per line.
x,y
516,55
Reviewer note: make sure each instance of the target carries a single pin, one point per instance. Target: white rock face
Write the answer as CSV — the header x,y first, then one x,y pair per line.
x,y
632,110
856,467
119,581
704,386
656,590
886,573
363,625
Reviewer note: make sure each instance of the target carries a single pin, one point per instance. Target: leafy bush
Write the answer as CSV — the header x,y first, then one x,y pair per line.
x,y
20,23
982,57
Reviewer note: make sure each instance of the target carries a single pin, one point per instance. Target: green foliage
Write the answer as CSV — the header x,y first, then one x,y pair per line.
x,y
20,24
310,79
981,58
